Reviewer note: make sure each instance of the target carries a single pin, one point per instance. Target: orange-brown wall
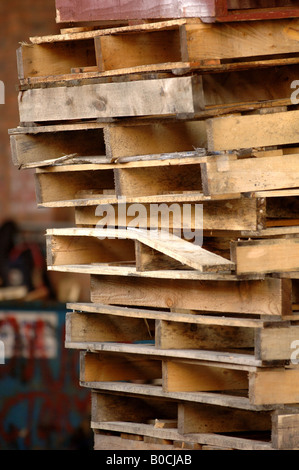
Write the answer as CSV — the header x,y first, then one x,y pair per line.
x,y
19,20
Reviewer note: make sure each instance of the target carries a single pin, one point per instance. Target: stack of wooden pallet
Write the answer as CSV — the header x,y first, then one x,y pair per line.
x,y
183,344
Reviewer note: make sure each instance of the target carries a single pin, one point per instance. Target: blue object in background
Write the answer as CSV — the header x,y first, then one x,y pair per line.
x,y
42,406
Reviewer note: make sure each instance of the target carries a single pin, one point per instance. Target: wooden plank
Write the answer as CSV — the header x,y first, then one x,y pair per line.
x,y
276,343
274,386
194,418
209,439
148,259
189,378
116,443
160,97
157,138
235,40
64,186
227,176
170,335
110,367
38,60
151,181
82,327
272,255
118,408
35,148
91,10
237,132
175,316
217,215
62,250
223,360
285,430
131,50
268,297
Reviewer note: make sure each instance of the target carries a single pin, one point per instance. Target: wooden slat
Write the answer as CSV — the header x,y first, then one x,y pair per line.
x,y
178,376
250,39
274,386
157,138
219,441
175,316
277,255
268,297
30,148
241,132
217,215
285,430
83,327
227,176
160,97
193,418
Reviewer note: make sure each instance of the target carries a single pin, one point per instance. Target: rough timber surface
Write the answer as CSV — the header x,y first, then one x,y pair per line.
x,y
92,10
173,96
210,10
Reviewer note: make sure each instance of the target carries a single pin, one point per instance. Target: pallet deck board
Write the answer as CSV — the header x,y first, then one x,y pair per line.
x,y
172,96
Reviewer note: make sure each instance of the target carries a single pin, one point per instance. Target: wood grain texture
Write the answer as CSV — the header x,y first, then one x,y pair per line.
x,y
161,97
268,297
94,10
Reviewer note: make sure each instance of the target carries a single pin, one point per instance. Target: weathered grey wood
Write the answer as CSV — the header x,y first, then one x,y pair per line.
x,y
162,97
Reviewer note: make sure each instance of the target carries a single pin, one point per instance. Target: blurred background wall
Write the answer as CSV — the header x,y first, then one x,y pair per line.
x,y
41,404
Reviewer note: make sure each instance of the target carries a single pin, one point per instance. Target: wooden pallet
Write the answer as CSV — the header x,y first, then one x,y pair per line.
x,y
247,417
171,421
160,250
265,341
169,47
208,10
182,344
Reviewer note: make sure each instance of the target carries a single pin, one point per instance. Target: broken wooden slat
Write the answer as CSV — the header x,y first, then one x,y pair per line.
x,y
87,242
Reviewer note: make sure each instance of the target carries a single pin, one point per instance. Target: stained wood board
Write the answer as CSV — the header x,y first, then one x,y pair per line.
x,y
91,10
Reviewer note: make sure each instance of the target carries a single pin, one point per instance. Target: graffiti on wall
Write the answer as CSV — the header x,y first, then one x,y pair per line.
x,y
41,403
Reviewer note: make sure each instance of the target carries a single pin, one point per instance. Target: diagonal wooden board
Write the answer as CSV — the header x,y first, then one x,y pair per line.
x,y
170,245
